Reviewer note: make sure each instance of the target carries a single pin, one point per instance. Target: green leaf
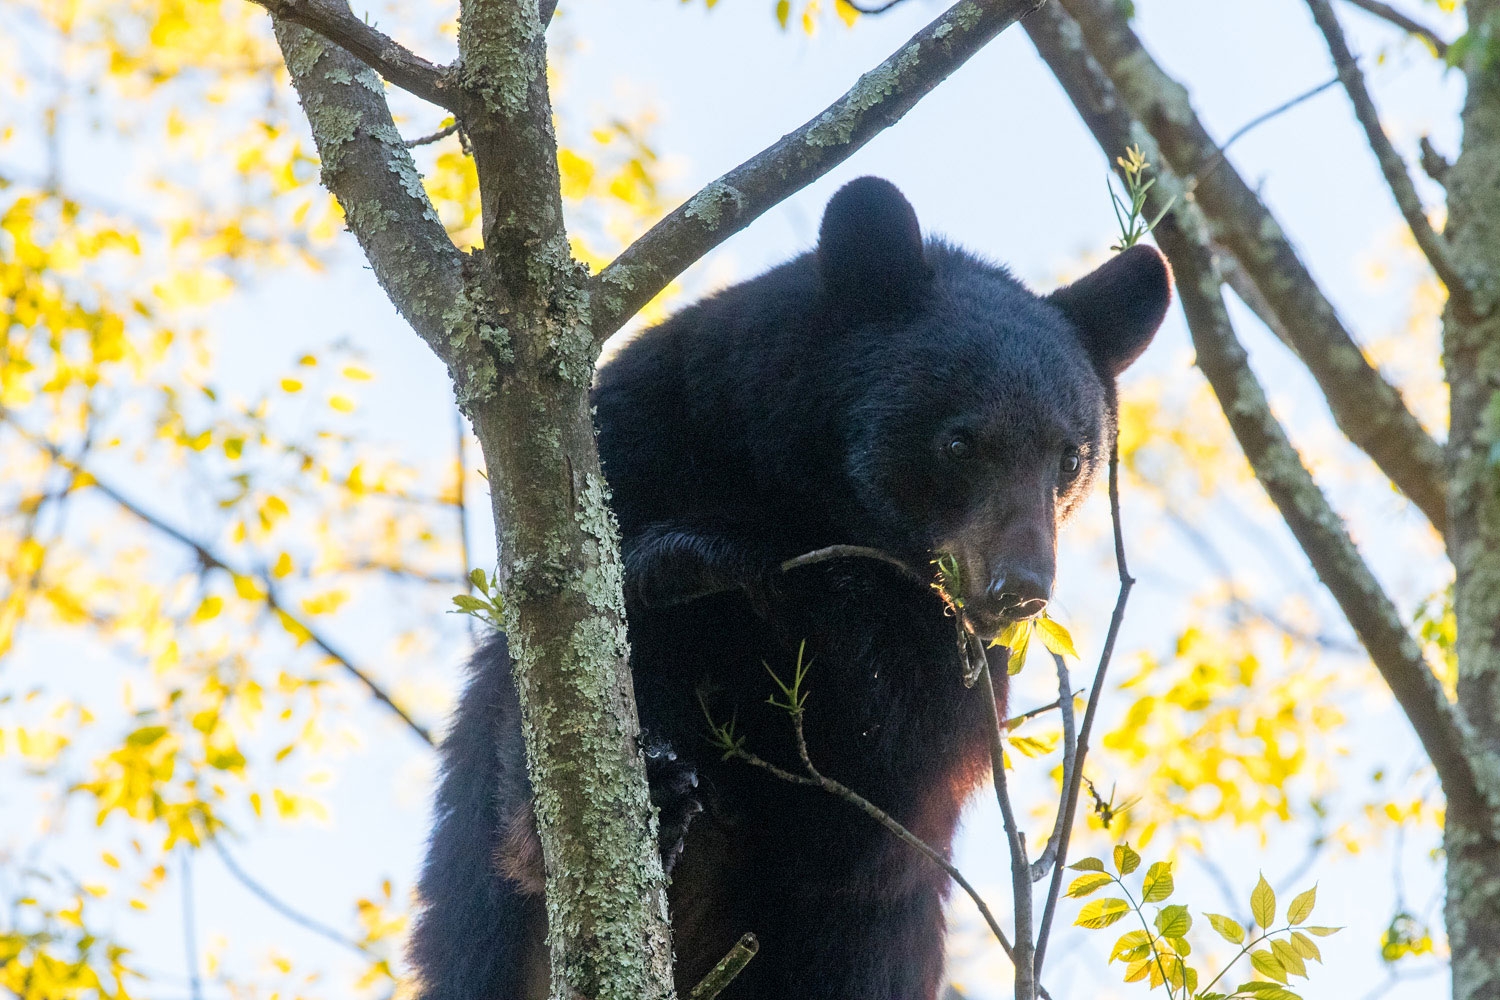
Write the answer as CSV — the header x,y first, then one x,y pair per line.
x,y
1289,959
1305,946
1132,947
1302,906
1173,921
1083,885
1263,904
1267,965
468,604
1323,931
1126,860
477,578
145,736
1087,865
1101,913
1228,928
1181,946
1055,637
1158,885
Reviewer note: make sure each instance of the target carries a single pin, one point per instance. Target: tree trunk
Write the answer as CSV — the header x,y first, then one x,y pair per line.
x,y
1471,349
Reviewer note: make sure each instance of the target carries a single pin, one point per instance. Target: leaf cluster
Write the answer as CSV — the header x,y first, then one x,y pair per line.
x,y
1159,951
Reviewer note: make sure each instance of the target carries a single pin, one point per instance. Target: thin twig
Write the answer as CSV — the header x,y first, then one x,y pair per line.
x,y
208,559
815,779
1020,868
1256,122
1070,794
336,22
1434,164
441,133
1042,865
286,910
730,966
850,552
1386,12
1032,713
736,199
1433,246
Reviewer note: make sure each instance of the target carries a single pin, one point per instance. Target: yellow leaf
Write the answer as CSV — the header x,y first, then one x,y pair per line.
x,y
1055,637
1302,906
209,608
1101,912
1263,905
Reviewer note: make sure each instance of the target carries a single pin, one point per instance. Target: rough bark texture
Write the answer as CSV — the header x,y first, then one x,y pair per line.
x,y
1472,356
517,325
559,554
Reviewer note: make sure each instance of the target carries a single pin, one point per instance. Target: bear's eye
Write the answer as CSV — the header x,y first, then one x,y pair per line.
x,y
1069,465
957,447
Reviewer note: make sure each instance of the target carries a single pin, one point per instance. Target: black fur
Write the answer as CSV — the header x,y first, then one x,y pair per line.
x,y
816,404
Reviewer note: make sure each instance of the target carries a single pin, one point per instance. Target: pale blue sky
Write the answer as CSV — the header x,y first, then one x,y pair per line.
x,y
997,160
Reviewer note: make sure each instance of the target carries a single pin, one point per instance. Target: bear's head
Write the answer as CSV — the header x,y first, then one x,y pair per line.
x,y
983,412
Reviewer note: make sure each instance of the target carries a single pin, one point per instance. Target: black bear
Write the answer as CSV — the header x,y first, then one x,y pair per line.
x,y
882,391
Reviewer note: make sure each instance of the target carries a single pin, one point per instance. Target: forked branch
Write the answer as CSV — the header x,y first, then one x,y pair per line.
x,y
741,196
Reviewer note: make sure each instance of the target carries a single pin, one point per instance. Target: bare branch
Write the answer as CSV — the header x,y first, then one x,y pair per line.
x,y
738,198
336,22
1183,235
1042,865
816,779
730,966
1020,869
368,168
441,133
1434,164
1386,12
1367,408
1433,246
208,559
285,909
1116,619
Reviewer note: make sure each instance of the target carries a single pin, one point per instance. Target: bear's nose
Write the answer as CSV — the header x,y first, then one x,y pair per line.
x,y
1019,593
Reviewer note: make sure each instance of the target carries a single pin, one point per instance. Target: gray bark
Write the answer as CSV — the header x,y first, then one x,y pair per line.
x,y
1471,347
518,325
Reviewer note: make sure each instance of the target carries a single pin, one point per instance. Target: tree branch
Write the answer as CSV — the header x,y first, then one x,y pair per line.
x,y
208,559
1020,868
814,778
1183,235
1042,865
333,20
366,165
739,197
1386,12
1367,408
1433,246
1116,619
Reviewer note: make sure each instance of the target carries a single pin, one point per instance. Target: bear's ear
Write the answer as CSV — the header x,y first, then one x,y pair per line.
x,y
870,247
1117,308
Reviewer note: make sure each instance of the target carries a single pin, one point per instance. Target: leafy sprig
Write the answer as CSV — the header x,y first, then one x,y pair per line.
x,y
1131,213
1159,951
485,603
